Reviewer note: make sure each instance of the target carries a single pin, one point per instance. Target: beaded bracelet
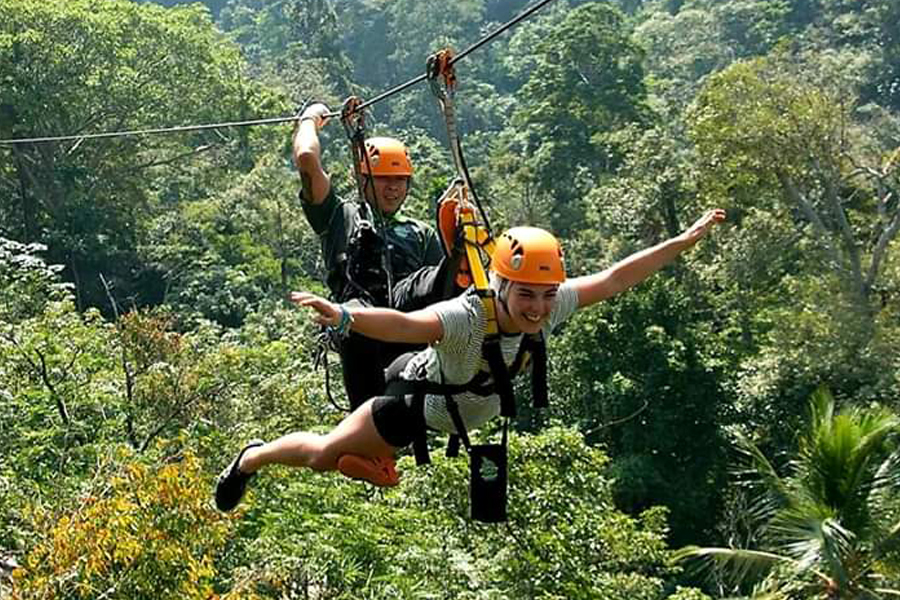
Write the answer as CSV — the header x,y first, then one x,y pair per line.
x,y
343,327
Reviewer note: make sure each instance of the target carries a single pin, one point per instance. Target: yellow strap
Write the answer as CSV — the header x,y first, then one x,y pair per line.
x,y
477,239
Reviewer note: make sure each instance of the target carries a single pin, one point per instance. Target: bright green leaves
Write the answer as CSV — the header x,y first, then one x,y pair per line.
x,y
757,126
222,258
791,157
564,539
27,283
827,520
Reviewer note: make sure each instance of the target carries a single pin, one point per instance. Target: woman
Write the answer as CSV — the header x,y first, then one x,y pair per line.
x,y
528,278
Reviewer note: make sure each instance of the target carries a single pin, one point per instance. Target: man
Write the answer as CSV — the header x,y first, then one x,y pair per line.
x,y
358,240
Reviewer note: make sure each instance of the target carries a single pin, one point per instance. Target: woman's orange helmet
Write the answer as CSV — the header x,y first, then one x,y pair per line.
x,y
529,255
386,156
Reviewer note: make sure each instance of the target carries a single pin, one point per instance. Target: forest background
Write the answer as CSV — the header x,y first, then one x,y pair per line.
x,y
144,335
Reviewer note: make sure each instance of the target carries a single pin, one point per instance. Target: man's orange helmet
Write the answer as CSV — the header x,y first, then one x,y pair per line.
x,y
386,156
529,255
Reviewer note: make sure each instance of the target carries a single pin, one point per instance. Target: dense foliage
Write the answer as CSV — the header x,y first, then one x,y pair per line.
x,y
144,335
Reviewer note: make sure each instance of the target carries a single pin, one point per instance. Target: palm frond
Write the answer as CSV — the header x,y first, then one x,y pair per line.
x,y
889,543
812,536
881,497
756,462
837,547
887,475
875,425
756,472
829,518
837,463
895,530
740,565
821,408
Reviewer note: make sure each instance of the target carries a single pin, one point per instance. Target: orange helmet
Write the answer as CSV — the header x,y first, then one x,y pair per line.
x,y
529,255
386,156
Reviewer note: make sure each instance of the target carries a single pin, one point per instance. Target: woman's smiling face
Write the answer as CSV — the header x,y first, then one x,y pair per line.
x,y
528,306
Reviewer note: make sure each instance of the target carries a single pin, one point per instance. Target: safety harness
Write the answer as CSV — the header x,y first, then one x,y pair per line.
x,y
494,379
369,239
373,224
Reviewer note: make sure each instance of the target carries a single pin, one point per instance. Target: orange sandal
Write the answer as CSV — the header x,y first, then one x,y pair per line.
x,y
379,471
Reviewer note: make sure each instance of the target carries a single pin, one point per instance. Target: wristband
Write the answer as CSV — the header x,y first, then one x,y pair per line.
x,y
342,329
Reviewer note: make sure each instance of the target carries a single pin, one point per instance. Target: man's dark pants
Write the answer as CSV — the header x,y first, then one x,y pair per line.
x,y
364,359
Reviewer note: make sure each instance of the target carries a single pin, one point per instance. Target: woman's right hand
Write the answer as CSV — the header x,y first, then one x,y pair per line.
x,y
327,313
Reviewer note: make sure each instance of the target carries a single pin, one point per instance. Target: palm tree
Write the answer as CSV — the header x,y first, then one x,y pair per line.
x,y
830,527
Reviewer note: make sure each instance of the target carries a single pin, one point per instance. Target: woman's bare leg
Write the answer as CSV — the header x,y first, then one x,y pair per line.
x,y
356,434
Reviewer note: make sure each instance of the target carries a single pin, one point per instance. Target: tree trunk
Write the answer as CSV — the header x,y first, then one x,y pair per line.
x,y
76,278
669,192
28,217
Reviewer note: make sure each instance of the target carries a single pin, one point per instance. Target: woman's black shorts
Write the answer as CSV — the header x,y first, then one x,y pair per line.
x,y
395,420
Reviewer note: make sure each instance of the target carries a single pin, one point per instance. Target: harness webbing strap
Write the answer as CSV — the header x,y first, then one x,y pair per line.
x,y
452,446
420,441
502,380
461,434
353,119
355,128
485,383
539,373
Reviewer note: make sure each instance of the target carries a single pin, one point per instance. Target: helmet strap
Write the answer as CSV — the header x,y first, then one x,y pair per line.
x,y
501,286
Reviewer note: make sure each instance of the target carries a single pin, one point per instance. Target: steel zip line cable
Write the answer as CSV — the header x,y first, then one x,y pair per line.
x,y
484,40
134,132
272,120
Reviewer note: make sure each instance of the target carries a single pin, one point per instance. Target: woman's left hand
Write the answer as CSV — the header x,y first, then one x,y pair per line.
x,y
702,226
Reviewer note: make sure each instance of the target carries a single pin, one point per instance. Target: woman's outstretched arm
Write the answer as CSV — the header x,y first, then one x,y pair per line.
x,y
633,269
385,324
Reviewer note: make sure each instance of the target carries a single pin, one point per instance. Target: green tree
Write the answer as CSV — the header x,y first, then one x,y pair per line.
x,y
681,50
771,139
309,532
586,83
27,283
827,524
888,85
808,180
88,66
640,376
73,386
224,256
438,26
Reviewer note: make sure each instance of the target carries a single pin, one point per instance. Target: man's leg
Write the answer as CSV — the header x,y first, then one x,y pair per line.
x,y
363,369
427,285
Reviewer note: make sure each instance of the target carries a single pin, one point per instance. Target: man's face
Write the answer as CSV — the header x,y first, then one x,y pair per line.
x,y
390,192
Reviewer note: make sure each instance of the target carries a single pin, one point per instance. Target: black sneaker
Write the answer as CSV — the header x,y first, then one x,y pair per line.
x,y
232,483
